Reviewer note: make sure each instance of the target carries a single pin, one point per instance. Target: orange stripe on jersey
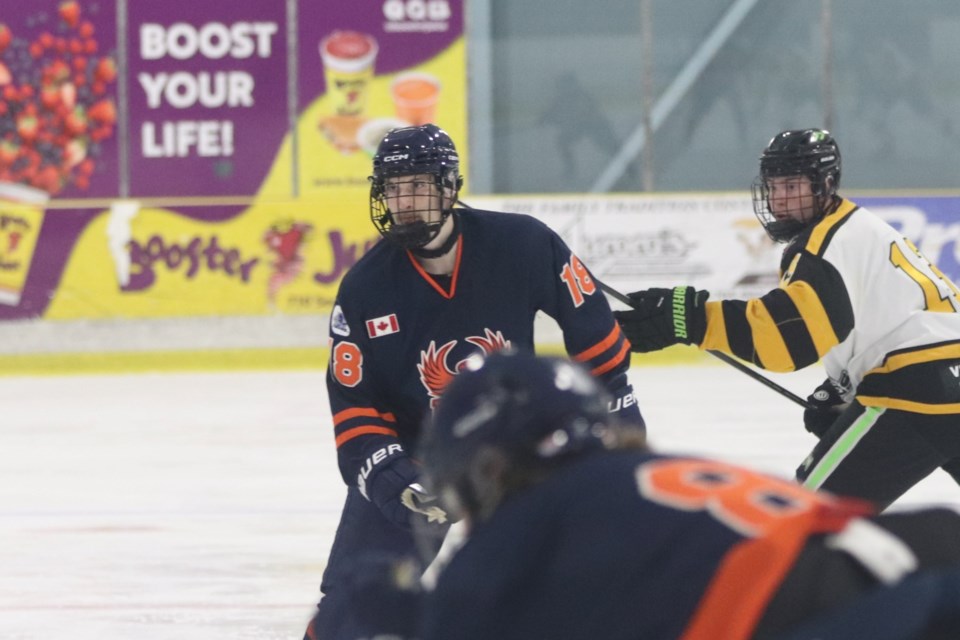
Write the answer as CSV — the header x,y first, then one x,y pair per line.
x,y
753,570
743,585
366,412
350,434
601,346
616,360
433,283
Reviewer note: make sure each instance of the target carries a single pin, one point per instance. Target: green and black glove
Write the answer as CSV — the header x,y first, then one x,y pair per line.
x,y
664,317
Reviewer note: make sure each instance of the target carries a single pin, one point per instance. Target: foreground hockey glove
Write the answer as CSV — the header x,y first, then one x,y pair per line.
x,y
828,404
664,317
385,594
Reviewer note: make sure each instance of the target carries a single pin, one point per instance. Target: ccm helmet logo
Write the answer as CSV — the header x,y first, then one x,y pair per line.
x,y
394,158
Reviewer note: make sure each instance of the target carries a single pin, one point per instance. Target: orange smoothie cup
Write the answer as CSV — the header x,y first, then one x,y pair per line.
x,y
415,97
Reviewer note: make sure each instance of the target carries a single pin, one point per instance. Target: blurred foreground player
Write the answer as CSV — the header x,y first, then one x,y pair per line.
x,y
578,531
445,283
854,292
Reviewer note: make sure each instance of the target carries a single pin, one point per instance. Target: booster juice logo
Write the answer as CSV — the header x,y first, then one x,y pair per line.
x,y
285,244
192,257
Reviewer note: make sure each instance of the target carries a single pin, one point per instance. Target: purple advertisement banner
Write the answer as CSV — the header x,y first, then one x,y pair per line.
x,y
58,104
932,223
207,86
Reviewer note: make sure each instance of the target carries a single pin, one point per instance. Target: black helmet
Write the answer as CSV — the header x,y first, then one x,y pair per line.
x,y
534,411
801,152
412,151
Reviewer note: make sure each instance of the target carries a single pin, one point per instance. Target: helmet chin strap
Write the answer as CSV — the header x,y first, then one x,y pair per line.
x,y
443,249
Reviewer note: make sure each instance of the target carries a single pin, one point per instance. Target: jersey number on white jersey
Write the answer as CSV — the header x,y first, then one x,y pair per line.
x,y
939,293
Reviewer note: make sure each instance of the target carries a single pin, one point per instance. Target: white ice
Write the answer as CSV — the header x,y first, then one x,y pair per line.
x,y
202,506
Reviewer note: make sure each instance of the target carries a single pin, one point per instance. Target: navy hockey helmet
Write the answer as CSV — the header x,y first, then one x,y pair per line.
x,y
424,150
533,410
812,153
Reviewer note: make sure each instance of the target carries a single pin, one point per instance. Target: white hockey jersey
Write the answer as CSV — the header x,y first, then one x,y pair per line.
x,y
857,294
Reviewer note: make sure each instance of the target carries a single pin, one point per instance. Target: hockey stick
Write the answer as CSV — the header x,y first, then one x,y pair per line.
x,y
736,364
613,293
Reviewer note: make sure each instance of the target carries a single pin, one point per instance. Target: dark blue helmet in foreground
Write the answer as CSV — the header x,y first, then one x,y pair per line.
x,y
531,410
425,151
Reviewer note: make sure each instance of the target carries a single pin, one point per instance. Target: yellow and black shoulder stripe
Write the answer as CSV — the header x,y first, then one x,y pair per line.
x,y
796,324
824,231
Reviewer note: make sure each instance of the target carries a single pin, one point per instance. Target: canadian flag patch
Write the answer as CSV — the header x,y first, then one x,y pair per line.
x,y
382,326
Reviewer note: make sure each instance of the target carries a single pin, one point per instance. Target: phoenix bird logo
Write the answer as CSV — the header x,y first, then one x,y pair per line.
x,y
436,373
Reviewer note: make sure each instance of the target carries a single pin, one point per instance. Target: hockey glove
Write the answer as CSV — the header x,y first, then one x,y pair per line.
x,y
401,498
664,317
828,404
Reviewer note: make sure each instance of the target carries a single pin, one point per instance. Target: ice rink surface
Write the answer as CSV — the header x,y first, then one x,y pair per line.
x,y
202,506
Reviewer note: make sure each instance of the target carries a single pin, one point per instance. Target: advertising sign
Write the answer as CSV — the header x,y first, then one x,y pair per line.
x,y
209,158
710,241
207,96
366,68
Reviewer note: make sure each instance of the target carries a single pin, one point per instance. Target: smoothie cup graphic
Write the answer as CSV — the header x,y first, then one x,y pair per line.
x,y
415,97
21,214
348,58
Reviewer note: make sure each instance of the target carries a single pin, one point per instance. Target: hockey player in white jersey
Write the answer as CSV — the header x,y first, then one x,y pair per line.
x,y
858,295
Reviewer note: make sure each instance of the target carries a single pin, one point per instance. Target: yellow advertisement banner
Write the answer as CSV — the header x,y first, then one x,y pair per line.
x,y
273,257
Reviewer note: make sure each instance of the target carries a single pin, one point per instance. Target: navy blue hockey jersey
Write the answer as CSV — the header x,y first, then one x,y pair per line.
x,y
399,335
630,545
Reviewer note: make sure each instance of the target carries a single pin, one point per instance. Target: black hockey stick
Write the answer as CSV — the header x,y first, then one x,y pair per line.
x,y
736,364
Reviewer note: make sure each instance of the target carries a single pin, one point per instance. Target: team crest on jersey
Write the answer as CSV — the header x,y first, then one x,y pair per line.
x,y
338,323
436,373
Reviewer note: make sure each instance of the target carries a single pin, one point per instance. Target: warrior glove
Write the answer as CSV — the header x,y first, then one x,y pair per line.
x,y
664,317
827,404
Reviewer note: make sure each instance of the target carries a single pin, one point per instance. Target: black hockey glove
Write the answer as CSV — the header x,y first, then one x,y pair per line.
x,y
401,498
664,317
828,404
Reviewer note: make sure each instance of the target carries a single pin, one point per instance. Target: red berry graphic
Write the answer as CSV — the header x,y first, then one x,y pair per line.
x,y
56,101
70,12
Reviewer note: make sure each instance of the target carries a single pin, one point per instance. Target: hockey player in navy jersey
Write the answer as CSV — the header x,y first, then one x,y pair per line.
x,y
444,283
577,531
853,292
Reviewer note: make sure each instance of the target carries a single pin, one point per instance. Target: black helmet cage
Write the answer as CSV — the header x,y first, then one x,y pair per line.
x,y
414,151
807,152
